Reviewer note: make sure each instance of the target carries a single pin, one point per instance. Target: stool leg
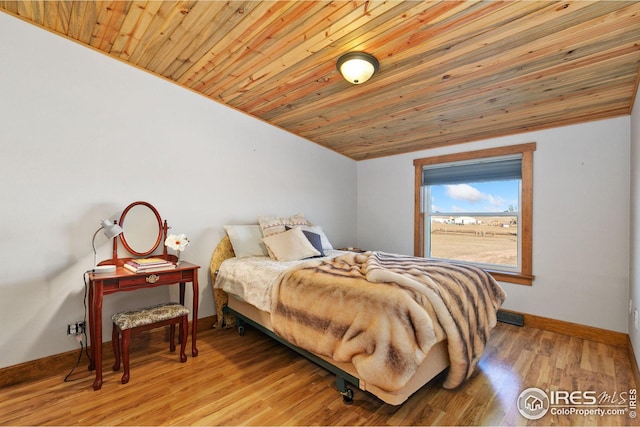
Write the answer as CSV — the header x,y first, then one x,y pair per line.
x,y
172,338
115,343
126,340
184,325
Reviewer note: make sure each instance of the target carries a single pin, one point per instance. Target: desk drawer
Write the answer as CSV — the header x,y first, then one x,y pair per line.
x,y
157,278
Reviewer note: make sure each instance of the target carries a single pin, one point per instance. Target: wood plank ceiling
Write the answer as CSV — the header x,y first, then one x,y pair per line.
x,y
450,72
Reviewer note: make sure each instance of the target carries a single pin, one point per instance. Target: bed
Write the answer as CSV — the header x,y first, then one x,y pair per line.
x,y
384,323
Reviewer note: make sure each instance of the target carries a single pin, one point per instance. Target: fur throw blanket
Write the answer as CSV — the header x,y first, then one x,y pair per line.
x,y
384,312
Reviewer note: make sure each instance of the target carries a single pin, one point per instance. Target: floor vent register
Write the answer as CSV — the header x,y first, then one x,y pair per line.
x,y
510,318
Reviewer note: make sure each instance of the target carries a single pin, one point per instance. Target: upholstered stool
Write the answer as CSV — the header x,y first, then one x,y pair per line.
x,y
128,322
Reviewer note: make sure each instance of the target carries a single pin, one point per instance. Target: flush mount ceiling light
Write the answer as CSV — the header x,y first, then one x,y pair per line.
x,y
357,67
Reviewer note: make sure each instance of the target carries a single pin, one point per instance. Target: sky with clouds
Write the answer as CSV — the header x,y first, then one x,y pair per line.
x,y
494,196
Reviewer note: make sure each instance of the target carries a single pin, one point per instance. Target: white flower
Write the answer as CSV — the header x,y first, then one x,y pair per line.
x,y
177,243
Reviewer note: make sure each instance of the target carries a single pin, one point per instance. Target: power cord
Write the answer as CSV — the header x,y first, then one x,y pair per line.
x,y
86,344
66,378
83,347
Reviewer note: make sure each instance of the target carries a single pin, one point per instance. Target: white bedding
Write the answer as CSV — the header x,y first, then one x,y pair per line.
x,y
251,278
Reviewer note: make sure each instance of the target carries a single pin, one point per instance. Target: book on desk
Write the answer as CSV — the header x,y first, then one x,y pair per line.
x,y
148,265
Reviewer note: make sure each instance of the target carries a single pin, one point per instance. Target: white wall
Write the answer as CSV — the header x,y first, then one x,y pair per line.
x,y
83,135
580,219
634,286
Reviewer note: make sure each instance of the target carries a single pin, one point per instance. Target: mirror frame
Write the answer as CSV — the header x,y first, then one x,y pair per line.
x,y
161,230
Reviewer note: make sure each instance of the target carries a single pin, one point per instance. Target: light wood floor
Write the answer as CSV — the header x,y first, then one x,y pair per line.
x,y
253,380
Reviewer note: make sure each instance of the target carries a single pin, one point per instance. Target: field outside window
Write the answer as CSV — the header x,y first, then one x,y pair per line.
x,y
474,222
476,207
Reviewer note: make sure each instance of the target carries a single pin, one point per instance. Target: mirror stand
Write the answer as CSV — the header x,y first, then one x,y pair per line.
x,y
165,254
144,231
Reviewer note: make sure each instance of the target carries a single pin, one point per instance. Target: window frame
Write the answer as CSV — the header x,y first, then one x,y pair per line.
x,y
525,275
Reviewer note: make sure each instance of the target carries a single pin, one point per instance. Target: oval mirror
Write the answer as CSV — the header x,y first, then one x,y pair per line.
x,y
142,227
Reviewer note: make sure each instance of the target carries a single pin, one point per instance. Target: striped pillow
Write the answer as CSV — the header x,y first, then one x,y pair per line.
x,y
271,225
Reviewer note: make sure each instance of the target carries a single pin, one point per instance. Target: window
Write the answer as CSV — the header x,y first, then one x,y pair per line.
x,y
476,207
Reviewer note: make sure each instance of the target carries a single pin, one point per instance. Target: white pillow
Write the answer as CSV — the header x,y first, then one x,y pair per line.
x,y
246,240
326,245
290,245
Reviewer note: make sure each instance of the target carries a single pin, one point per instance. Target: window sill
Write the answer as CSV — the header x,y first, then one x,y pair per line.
x,y
518,278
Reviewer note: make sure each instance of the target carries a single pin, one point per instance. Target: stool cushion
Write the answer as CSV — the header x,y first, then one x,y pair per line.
x,y
148,315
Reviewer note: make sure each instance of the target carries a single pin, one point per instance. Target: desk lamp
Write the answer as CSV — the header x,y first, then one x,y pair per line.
x,y
111,230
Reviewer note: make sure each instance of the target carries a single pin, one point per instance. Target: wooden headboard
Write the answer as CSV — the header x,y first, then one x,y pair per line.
x,y
223,251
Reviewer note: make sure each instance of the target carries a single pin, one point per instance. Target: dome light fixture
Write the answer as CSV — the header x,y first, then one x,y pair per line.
x,y
357,67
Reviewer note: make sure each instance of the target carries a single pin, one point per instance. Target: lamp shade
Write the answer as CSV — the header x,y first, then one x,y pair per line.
x,y
357,67
111,230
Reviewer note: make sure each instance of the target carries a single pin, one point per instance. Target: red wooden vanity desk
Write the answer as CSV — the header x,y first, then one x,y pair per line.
x,y
123,280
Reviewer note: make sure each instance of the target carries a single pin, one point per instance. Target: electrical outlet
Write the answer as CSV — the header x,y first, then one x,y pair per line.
x,y
635,318
76,328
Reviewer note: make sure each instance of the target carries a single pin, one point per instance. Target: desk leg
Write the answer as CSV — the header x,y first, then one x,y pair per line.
x,y
96,338
194,321
186,331
92,335
194,312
